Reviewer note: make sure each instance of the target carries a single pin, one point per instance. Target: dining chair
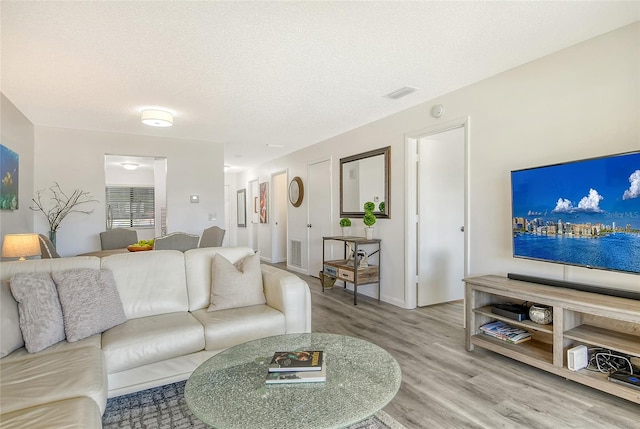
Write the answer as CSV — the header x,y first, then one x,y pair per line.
x,y
118,238
47,249
181,241
212,237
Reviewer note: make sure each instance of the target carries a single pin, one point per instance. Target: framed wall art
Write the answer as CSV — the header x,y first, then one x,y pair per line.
x,y
9,174
264,189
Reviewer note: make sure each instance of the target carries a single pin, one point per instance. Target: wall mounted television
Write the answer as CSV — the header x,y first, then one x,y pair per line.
x,y
584,213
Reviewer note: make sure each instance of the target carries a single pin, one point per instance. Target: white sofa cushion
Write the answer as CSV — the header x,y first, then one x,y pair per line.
x,y
41,320
226,328
22,353
149,283
151,339
236,285
198,264
53,377
10,333
76,413
89,300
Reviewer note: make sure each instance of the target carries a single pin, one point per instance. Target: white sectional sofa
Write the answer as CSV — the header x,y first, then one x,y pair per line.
x,y
168,333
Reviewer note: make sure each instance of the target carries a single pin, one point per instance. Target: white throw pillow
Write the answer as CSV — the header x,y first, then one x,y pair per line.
x,y
41,320
238,285
90,302
10,333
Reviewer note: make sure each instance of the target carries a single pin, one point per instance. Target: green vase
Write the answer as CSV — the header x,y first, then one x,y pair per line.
x,y
52,237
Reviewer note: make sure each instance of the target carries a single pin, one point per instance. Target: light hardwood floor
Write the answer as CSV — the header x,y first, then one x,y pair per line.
x,y
444,386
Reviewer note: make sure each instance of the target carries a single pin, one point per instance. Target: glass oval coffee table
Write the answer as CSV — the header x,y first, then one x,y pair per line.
x,y
229,391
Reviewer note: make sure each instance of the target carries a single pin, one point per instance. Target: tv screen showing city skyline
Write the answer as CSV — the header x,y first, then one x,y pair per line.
x,y
583,213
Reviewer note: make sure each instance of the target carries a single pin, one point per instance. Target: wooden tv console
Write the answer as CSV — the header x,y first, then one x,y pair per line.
x,y
579,318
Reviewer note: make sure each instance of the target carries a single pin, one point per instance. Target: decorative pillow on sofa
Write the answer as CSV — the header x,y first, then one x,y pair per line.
x,y
90,302
10,333
238,285
41,320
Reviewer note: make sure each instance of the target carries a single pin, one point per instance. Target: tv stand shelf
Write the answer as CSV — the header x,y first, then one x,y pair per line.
x,y
579,318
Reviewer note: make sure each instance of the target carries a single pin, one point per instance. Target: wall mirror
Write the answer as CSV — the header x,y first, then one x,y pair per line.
x,y
242,208
365,177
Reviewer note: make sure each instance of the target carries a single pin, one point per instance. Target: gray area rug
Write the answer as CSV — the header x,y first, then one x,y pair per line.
x,y
164,407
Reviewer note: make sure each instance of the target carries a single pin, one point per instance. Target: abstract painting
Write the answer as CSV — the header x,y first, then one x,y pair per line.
x,y
264,189
9,174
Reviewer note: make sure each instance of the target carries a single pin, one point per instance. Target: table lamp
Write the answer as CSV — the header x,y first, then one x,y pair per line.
x,y
20,246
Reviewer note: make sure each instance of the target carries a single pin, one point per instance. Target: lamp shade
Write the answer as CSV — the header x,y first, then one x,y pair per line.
x,y
20,246
157,118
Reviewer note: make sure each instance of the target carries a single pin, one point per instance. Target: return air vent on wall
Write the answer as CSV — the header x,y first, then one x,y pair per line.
x,y
296,253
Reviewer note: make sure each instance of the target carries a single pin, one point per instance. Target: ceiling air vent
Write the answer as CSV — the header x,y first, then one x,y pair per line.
x,y
401,92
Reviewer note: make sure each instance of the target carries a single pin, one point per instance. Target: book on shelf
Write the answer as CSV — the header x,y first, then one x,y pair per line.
x,y
305,360
506,332
296,376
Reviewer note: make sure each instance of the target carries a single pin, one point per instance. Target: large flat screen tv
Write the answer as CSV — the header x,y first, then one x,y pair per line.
x,y
584,213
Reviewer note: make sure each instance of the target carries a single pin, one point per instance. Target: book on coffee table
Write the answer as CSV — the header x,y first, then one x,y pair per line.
x,y
296,361
296,376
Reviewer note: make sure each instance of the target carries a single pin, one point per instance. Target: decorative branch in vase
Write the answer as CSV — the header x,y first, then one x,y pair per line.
x,y
61,205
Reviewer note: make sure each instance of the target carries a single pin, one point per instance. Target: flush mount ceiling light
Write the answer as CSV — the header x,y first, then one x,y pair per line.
x,y
401,92
157,118
129,165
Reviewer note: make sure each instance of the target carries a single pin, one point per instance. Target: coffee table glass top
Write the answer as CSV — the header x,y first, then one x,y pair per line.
x,y
229,390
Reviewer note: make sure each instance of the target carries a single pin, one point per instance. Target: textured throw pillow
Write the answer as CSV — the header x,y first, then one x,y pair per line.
x,y
238,285
39,310
90,302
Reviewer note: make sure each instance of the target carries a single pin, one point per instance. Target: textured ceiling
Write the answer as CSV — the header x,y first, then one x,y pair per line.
x,y
248,74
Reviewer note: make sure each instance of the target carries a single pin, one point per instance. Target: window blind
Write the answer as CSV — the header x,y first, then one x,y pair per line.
x,y
130,207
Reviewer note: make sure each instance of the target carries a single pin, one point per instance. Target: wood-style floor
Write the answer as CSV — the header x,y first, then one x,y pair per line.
x,y
444,386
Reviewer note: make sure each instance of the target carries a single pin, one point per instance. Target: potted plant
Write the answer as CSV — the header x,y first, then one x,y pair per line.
x,y
369,219
345,224
381,207
61,205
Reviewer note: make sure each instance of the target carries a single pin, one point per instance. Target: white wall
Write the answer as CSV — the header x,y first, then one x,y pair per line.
x,y
577,103
16,133
75,159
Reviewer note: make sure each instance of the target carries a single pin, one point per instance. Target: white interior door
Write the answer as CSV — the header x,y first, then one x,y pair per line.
x,y
319,216
441,194
279,218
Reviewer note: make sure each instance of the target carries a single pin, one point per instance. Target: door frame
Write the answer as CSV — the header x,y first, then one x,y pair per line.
x,y
275,194
309,193
411,204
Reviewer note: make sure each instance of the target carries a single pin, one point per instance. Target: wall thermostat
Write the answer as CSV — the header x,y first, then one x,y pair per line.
x,y
577,358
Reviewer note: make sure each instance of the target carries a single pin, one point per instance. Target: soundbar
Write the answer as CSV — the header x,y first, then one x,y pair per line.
x,y
621,293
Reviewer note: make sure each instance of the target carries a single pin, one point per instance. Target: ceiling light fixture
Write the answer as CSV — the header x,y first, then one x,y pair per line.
x,y
129,165
401,92
157,118
274,145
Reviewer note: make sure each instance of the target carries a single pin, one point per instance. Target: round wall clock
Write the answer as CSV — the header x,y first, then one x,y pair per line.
x,y
296,191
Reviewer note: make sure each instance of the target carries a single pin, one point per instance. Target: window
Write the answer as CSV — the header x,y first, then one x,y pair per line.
x,y
130,207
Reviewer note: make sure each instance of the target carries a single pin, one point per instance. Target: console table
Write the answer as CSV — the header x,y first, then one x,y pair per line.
x,y
579,318
345,269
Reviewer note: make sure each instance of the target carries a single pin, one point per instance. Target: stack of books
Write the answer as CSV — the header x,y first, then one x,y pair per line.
x,y
297,367
505,332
